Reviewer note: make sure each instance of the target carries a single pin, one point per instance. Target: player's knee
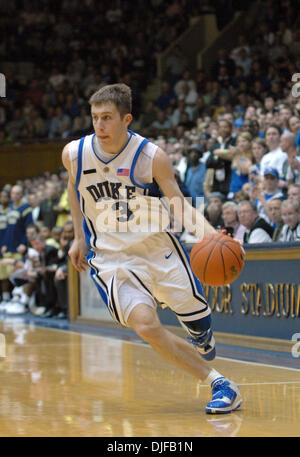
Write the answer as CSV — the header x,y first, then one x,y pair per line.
x,y
147,331
145,324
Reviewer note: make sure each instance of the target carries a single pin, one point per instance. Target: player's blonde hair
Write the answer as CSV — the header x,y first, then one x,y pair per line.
x,y
119,94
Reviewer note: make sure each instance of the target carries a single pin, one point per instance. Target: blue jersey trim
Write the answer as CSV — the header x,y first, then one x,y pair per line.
x,y
137,154
79,162
114,157
93,273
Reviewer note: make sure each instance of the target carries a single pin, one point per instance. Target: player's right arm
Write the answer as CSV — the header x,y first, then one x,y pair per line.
x,y
79,247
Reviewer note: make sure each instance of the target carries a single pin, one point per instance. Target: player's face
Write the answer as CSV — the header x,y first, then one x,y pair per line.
x,y
109,126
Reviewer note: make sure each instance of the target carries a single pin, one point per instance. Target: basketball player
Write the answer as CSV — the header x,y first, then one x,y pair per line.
x,y
111,175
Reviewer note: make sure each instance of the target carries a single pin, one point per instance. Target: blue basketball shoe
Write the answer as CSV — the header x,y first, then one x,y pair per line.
x,y
226,397
205,344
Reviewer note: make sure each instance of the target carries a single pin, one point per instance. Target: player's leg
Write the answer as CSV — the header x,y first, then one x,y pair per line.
x,y
182,292
145,322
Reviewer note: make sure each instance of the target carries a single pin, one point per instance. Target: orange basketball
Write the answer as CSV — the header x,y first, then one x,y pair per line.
x,y
217,259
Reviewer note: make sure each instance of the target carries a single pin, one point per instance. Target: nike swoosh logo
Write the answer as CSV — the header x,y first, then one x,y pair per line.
x,y
169,255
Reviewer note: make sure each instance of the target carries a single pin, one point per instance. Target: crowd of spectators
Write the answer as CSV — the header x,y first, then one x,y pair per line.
x,y
36,232
59,52
232,133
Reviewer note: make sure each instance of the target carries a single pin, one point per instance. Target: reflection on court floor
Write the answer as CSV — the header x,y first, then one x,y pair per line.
x,y
61,383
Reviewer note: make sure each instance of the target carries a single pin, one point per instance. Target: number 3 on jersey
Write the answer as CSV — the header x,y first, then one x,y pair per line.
x,y
125,214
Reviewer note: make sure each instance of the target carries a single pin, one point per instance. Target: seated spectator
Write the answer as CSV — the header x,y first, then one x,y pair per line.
x,y
232,225
259,149
47,214
82,123
294,127
68,231
188,95
182,164
148,115
290,211
285,112
186,79
167,97
34,201
161,124
274,216
186,122
60,124
294,192
60,279
195,173
23,288
224,60
257,228
266,191
179,109
291,166
275,157
241,160
176,64
17,218
47,234
242,45
62,209
244,61
213,210
43,274
222,168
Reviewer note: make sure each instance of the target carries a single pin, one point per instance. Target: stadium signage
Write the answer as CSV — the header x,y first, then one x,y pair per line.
x,y
261,300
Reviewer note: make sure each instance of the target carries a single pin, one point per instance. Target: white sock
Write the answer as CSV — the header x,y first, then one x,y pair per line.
x,y
213,375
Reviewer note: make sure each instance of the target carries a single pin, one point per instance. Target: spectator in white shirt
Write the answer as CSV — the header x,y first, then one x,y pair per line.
x,y
291,166
290,211
265,191
186,79
294,193
257,228
230,218
275,157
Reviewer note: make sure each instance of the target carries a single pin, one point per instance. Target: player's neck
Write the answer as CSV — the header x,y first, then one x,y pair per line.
x,y
116,146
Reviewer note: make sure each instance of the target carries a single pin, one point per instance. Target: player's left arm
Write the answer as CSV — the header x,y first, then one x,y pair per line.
x,y
183,211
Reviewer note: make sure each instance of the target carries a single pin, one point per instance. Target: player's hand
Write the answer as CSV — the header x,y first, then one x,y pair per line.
x,y
77,253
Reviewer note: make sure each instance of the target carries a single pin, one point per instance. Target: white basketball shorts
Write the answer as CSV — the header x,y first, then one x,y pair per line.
x,y
155,271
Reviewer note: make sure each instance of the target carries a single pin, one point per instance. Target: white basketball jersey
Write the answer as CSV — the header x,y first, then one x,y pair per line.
x,y
114,194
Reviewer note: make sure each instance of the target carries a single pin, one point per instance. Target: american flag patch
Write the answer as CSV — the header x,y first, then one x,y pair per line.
x,y
123,172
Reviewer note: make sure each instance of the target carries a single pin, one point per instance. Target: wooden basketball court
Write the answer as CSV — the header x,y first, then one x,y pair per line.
x,y
57,382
